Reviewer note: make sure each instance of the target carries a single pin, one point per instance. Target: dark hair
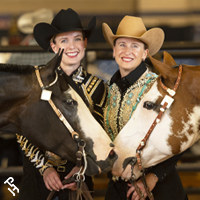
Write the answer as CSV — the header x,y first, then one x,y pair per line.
x,y
145,45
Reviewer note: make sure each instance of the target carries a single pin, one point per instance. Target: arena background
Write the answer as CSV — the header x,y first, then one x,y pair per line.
x,y
180,19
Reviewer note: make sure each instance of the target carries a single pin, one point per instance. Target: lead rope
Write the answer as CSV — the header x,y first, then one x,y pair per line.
x,y
166,103
78,177
133,181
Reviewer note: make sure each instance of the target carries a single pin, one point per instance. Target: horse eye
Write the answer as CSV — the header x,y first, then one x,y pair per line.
x,y
71,102
148,105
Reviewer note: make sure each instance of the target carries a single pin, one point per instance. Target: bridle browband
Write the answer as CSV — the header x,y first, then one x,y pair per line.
x,y
80,155
166,103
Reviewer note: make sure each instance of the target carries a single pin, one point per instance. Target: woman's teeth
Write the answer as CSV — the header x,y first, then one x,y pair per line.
x,y
72,54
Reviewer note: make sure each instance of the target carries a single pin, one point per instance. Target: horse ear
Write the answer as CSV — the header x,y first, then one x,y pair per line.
x,y
54,63
50,69
163,68
168,59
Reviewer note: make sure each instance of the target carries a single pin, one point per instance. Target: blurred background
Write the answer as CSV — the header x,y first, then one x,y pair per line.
x,y
180,20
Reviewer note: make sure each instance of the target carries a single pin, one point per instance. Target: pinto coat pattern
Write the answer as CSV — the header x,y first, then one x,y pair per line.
x,y
22,111
179,126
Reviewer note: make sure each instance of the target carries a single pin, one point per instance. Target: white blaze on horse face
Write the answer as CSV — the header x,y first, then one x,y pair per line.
x,y
92,129
135,130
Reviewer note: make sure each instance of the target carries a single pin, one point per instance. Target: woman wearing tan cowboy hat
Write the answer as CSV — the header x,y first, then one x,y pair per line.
x,y
64,32
131,44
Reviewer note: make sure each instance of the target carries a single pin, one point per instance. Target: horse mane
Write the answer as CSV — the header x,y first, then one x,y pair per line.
x,y
18,69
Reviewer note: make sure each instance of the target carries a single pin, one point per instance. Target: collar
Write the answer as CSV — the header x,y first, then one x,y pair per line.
x,y
130,79
78,75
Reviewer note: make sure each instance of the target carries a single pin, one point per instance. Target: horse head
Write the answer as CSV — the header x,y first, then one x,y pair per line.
x,y
176,131
23,111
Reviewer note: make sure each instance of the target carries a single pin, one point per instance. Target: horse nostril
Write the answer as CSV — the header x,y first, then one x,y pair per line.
x,y
111,154
112,145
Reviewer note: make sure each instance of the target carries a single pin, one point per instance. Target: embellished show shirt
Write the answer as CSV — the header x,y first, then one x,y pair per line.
x,y
124,94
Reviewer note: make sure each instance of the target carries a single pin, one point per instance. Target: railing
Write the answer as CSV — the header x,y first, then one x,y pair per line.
x,y
11,171
192,48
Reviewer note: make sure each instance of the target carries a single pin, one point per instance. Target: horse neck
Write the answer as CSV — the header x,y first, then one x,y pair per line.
x,y
16,91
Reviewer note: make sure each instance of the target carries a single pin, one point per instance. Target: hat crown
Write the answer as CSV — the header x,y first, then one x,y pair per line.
x,y
131,26
67,19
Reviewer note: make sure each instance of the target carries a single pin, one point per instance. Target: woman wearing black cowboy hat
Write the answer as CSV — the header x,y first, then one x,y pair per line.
x,y
65,32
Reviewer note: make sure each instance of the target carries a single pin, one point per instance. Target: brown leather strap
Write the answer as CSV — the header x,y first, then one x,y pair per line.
x,y
176,84
158,118
81,143
137,189
149,193
56,110
67,181
142,144
79,155
85,191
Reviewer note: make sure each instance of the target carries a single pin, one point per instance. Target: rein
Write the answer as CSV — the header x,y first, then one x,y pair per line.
x,y
166,103
46,96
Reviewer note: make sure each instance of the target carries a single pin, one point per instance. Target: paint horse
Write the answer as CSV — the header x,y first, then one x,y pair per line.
x,y
23,111
156,131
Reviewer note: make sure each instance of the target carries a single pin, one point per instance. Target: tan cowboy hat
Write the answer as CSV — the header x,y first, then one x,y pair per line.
x,y
133,27
27,21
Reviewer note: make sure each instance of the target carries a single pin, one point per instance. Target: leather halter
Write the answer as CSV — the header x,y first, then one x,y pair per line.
x,y
166,103
46,95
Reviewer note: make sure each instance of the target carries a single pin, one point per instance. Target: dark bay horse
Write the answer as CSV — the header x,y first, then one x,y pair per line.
x,y
176,129
22,111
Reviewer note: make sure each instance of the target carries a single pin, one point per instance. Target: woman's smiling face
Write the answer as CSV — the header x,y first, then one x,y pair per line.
x,y
74,45
129,53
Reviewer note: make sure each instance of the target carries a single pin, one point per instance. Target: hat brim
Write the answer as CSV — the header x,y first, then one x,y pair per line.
x,y
153,38
43,32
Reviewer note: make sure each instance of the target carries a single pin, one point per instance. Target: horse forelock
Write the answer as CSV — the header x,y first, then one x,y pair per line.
x,y
18,69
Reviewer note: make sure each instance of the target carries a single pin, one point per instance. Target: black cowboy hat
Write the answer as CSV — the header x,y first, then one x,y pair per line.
x,y
64,21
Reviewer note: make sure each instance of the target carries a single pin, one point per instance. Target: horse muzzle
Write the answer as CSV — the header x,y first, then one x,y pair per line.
x,y
102,166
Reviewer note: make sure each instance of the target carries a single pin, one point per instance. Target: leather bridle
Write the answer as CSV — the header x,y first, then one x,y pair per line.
x,y
80,155
46,96
166,103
